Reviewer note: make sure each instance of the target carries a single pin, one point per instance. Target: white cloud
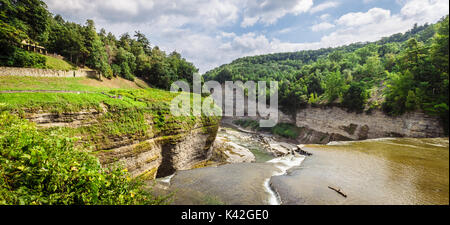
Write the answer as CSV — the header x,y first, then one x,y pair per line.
x,y
249,21
377,23
286,30
325,16
324,6
269,11
425,10
322,26
374,15
202,12
199,29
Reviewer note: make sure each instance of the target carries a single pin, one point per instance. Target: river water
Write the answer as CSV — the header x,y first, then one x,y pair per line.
x,y
380,171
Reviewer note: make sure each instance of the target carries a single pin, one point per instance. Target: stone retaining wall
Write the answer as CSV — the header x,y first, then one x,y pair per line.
x,y
33,72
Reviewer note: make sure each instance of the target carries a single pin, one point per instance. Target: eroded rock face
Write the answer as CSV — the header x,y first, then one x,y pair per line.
x,y
326,124
148,155
83,118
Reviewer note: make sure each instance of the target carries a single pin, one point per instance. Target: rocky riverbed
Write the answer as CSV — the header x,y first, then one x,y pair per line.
x,y
262,169
243,164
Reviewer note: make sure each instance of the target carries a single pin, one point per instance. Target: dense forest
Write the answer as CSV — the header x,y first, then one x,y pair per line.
x,y
400,73
127,56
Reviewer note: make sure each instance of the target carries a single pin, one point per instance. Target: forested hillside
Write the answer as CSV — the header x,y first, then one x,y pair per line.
x,y
400,73
127,56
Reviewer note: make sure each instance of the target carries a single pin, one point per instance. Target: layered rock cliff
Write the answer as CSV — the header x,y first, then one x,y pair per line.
x,y
326,124
157,150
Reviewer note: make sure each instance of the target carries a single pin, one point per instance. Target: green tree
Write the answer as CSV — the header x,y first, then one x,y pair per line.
x,y
355,97
334,86
224,75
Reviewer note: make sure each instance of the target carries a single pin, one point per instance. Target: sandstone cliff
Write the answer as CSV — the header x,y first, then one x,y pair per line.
x,y
326,124
157,151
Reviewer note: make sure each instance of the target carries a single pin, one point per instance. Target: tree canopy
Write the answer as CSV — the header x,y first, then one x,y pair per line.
x,y
127,56
403,72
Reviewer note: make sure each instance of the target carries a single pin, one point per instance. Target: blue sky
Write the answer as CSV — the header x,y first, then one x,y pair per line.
x,y
214,32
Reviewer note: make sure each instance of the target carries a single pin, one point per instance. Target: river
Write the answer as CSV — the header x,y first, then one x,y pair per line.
x,y
379,171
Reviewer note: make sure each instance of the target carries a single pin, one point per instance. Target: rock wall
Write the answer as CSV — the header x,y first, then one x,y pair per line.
x,y
34,72
325,124
162,156
150,157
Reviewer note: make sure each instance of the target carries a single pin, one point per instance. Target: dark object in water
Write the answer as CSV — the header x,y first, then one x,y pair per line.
x,y
302,152
338,191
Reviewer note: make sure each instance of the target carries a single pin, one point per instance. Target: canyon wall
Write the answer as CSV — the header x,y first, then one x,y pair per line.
x,y
151,155
325,124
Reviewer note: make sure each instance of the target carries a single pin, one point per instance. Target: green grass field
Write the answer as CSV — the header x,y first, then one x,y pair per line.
x,y
58,64
13,83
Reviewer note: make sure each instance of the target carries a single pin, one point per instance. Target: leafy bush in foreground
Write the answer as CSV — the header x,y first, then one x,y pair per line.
x,y
44,169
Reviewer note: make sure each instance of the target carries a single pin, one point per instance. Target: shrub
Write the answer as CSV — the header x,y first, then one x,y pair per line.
x,y
247,123
22,58
286,130
42,169
282,129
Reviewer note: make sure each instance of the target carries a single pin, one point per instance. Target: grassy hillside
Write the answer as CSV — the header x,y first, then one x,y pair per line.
x,y
68,84
140,113
57,64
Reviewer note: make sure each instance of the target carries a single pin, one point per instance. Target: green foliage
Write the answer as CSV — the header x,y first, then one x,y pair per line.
x,y
286,130
127,56
334,86
398,86
247,123
22,58
411,70
41,169
282,129
57,64
355,97
420,80
28,16
224,75
313,99
81,84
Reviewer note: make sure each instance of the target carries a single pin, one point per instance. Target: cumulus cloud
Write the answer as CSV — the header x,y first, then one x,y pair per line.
x,y
377,23
325,16
269,11
324,6
205,31
203,12
322,26
374,15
